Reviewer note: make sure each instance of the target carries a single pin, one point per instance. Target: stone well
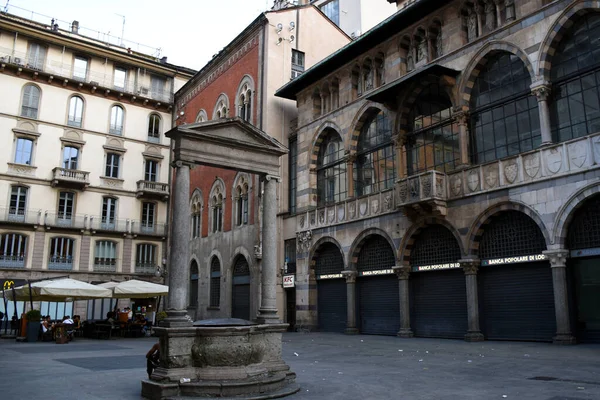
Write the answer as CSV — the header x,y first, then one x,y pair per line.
x,y
228,358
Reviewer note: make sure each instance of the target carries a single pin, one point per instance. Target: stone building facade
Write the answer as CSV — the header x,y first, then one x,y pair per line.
x,y
447,184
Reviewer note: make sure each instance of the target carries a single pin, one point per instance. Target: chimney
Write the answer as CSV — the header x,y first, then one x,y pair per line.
x,y
75,27
163,60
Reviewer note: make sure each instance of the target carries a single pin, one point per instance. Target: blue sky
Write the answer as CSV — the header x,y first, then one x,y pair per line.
x,y
188,32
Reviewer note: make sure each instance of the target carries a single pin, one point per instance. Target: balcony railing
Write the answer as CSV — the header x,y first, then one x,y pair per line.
x,y
9,261
20,216
95,79
150,189
60,263
145,268
109,225
65,220
423,193
108,265
153,139
141,228
70,177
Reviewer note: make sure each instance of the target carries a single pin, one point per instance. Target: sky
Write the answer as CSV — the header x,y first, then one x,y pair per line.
x,y
188,32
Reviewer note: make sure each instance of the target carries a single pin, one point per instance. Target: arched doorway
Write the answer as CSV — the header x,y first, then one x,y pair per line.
x,y
583,239
331,288
377,294
515,280
194,284
240,293
437,285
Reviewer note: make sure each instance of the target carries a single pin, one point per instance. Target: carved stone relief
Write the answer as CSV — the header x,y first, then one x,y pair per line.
x,y
577,154
491,176
352,210
531,163
387,202
596,144
473,180
511,170
374,206
554,159
331,215
403,190
440,187
341,213
426,182
321,217
303,241
456,185
362,208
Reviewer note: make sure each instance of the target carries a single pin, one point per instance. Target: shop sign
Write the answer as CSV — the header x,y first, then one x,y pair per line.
x,y
514,260
329,276
289,281
436,267
585,252
10,283
377,272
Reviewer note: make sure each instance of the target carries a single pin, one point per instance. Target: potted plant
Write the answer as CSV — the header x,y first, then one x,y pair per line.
x,y
160,316
33,325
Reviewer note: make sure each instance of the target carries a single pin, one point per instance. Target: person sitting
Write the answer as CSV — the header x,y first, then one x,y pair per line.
x,y
110,317
46,329
152,359
69,326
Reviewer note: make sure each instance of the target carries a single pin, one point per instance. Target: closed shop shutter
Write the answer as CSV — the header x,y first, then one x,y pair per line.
x,y
439,304
379,309
241,301
332,305
517,302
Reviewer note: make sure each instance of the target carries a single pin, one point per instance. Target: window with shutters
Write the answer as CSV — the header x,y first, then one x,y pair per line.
x,y
75,118
31,101
36,56
297,63
13,249
215,282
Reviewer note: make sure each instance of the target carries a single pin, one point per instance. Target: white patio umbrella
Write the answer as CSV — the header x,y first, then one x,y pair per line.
x,y
138,289
60,290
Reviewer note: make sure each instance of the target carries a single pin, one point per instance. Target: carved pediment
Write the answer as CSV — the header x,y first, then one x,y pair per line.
x,y
27,126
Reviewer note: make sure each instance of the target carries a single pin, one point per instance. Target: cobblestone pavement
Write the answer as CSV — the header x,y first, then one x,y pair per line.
x,y
329,366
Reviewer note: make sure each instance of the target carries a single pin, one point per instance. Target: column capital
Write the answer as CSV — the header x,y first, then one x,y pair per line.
x,y
557,257
470,265
461,115
351,157
541,90
181,163
350,276
402,272
272,177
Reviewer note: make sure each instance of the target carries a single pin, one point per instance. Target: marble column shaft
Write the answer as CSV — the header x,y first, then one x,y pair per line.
x,y
267,312
350,301
542,92
403,273
470,268
558,262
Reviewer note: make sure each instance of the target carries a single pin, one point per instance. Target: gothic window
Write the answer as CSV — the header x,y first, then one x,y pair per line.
x,y
575,75
196,210
217,198
433,140
504,113
331,170
194,284
201,117
215,282
222,108
374,168
241,201
245,103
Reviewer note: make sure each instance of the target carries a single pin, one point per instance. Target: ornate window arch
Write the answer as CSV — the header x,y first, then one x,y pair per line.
x,y
504,113
222,107
201,117
331,169
196,208
241,192
244,99
217,206
432,142
575,80
375,160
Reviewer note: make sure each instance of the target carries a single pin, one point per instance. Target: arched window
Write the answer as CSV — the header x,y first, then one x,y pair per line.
x,y
13,249
196,209
575,110
154,128
215,282
116,120
31,101
504,113
241,200
222,107
105,256
433,140
201,117
331,170
217,197
375,168
194,284
75,112
245,103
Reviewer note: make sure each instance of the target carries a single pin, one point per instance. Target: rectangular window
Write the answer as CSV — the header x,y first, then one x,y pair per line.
x,y
120,78
292,171
145,260
112,165
105,256
151,171
66,202
109,208
332,10
80,66
36,56
61,254
196,219
157,87
12,250
70,157
148,211
23,151
289,251
297,63
18,201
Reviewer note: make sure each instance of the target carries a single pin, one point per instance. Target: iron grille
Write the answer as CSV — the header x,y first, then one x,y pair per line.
x,y
328,260
241,267
376,254
215,282
511,234
434,245
584,230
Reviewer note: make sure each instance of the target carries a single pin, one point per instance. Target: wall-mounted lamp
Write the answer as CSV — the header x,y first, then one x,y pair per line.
x,y
292,26
292,38
279,28
279,40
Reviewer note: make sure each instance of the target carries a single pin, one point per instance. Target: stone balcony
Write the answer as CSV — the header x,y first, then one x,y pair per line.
x,y
152,190
70,178
423,194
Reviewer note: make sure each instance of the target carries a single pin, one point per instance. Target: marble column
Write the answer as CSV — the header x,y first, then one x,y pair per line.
x,y
470,267
403,273
401,166
267,313
178,258
462,119
558,262
350,174
542,92
350,301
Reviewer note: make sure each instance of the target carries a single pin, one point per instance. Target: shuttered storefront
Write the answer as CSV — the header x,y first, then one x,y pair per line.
x,y
377,294
437,285
240,297
331,288
516,295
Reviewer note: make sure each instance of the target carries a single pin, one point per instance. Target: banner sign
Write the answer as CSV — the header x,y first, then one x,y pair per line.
x,y
436,267
377,272
329,276
514,260
585,252
6,284
289,281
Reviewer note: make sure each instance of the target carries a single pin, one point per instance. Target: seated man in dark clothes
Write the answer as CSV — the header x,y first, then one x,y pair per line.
x,y
152,358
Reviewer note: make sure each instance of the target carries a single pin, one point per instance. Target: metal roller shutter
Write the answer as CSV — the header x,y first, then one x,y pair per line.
x,y
439,304
241,302
379,308
517,302
332,305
